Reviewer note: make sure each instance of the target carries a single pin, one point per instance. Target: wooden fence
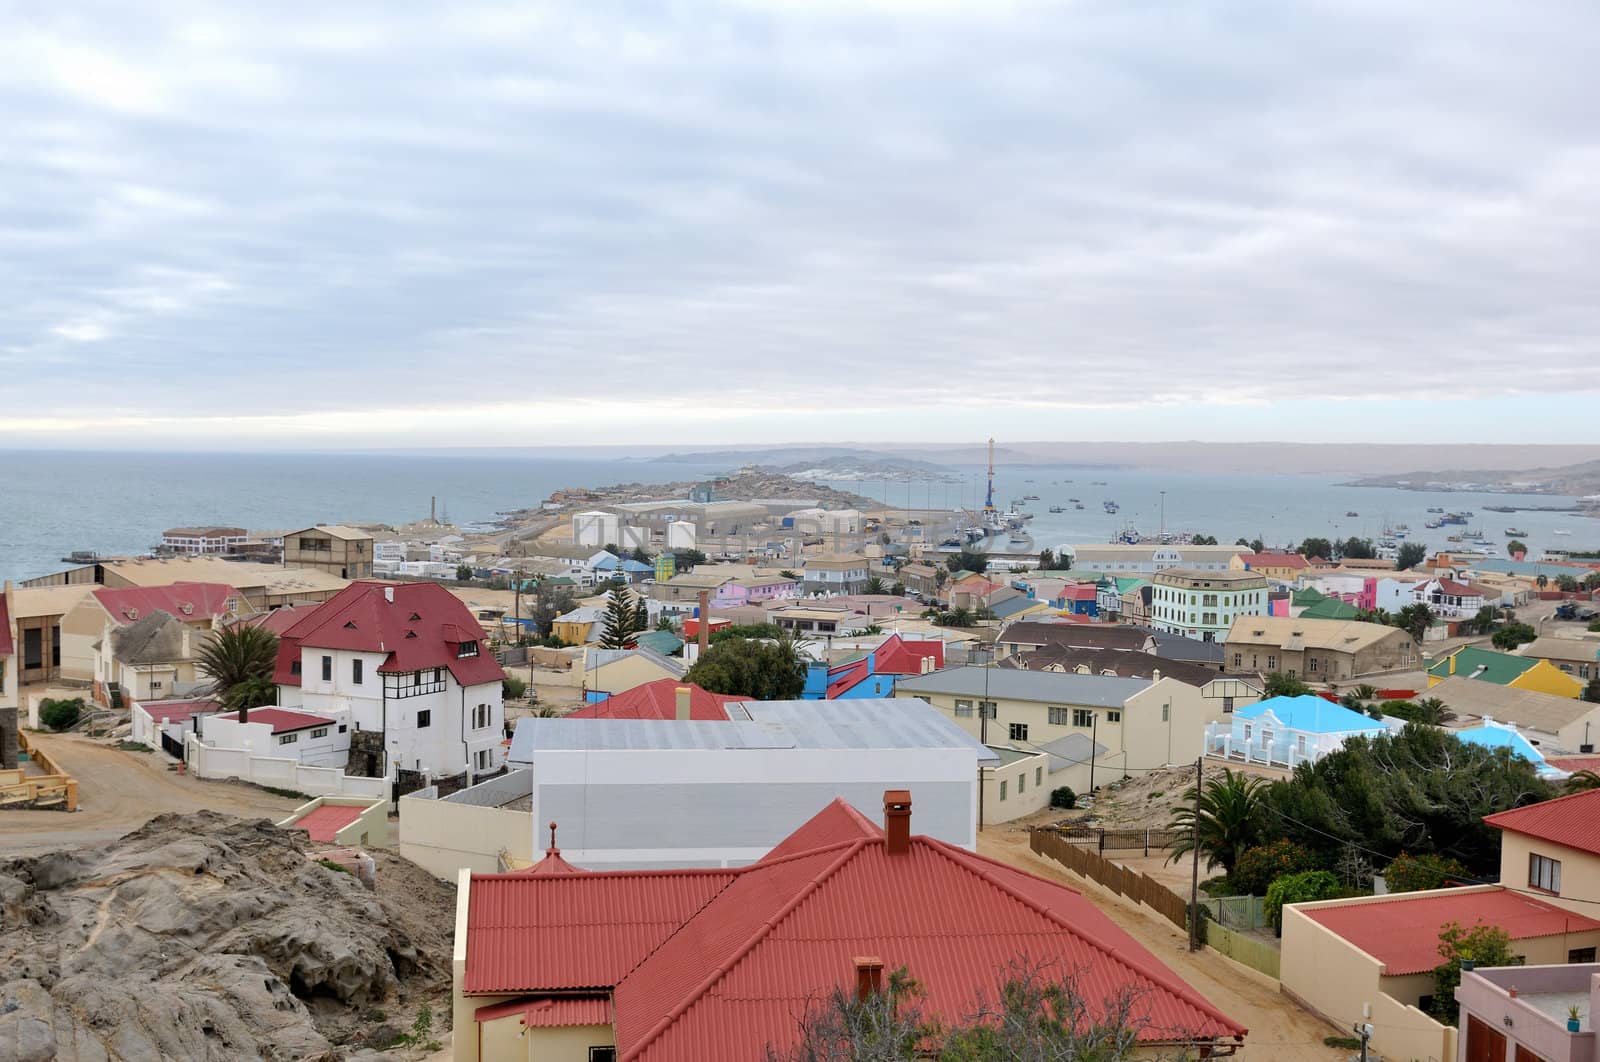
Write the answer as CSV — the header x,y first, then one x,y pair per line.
x,y
1137,886
1102,840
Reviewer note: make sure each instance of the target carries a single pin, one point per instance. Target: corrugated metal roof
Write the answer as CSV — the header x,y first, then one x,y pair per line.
x,y
1572,821
551,1012
777,935
1102,691
1311,714
1403,933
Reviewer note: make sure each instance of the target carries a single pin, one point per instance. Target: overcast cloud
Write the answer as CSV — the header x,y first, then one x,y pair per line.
x,y
504,223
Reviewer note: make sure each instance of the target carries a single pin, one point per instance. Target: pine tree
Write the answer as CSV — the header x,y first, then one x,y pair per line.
x,y
641,614
617,624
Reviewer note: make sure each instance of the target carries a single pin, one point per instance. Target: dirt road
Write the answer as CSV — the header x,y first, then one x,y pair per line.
x,y
1278,1029
119,791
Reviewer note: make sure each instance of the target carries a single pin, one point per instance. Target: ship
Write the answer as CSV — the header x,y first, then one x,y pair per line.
x,y
1351,512
1079,505
1111,507
1057,509
1512,532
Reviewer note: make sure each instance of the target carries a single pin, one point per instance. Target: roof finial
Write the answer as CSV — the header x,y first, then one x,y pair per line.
x,y
553,850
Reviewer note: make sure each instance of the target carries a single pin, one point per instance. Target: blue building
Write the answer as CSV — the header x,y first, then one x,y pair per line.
x,y
1288,731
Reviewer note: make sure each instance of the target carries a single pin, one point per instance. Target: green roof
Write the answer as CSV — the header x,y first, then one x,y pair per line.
x,y
1307,596
1331,608
664,642
1483,664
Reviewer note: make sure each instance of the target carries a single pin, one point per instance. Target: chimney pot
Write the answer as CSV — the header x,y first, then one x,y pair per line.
x,y
897,821
869,976
683,700
388,594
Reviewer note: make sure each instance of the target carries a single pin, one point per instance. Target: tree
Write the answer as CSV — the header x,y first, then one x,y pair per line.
x,y
1594,626
1512,635
885,1026
685,559
1254,545
1228,821
967,561
1483,622
1591,692
1354,548
1415,620
788,573
898,589
1316,547
874,585
1582,782
1303,887
1204,540
1591,581
1047,560
617,623
1415,873
60,713
641,614
548,602
1515,547
1281,685
512,688
1541,581
1430,711
611,548
1567,584
463,573
639,555
240,661
762,670
1484,944
1410,555
1263,864
1062,796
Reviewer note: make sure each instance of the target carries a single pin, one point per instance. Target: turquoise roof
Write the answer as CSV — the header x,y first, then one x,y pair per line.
x,y
1310,714
1495,736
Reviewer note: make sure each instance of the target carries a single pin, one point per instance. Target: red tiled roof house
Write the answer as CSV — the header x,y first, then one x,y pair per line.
x,y
680,965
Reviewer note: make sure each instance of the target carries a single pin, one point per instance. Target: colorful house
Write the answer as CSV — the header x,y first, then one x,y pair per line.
x,y
872,673
1079,599
1492,735
1505,669
1287,731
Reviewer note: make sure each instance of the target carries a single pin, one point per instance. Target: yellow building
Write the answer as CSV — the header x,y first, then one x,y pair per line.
x,y
580,626
1505,669
607,672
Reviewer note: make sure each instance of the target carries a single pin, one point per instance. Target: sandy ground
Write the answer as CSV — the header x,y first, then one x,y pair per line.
x,y
117,792
1278,1029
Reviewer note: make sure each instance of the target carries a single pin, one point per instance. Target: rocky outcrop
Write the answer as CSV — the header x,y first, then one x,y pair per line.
x,y
209,937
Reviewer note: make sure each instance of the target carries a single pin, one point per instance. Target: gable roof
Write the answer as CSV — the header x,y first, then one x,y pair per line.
x,y
282,720
1343,636
1403,933
155,638
188,601
657,700
277,620
1571,821
1566,650
1079,636
1484,665
1496,735
1115,661
1103,691
753,947
339,531
595,659
1331,608
417,625
895,655
1314,715
1274,560
1528,709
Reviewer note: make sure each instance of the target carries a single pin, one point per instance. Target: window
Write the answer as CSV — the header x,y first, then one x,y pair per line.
x,y
1311,664
1002,790
288,739
1247,731
480,717
1544,873
1227,705
1113,716
438,675
963,709
481,759
1022,783
425,718
467,649
355,671
1272,663
1238,660
327,669
1082,717
1057,716
1166,712
602,1054
343,728
1038,776
1581,955
987,709
1018,732
320,731
294,667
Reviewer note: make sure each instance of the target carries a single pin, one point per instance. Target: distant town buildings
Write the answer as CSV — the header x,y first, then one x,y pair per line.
x,y
1204,604
197,540
333,548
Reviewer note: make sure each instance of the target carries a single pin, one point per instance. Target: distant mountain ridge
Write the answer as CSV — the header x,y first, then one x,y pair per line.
x,y
1581,479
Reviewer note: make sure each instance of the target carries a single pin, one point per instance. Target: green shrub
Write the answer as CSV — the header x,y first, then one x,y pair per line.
x,y
1303,887
331,865
60,714
512,687
1414,873
1260,866
1063,797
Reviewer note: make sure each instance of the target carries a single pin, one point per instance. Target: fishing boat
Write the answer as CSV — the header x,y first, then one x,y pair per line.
x,y
1512,532
1078,506
1019,539
1352,512
1436,510
1057,509
1111,507
1433,524
1561,531
1030,497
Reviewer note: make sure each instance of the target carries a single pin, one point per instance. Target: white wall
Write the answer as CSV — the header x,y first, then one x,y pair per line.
x,y
727,807
321,746
681,534
207,761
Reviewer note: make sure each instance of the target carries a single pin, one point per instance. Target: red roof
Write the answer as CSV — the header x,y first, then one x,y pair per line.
x,y
1079,592
1572,821
897,656
550,1012
6,646
282,719
422,627
186,601
1403,933
1274,560
324,822
279,619
658,700
1455,589
733,957
179,711
1573,763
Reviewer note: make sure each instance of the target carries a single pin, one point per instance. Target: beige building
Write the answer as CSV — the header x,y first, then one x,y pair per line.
x,y
202,607
607,672
263,586
35,620
1578,657
1556,724
152,658
332,548
1317,650
1017,786
1092,726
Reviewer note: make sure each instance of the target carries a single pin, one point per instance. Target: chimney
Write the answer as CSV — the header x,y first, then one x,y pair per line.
x,y
388,594
705,620
1155,675
683,702
433,509
897,821
869,976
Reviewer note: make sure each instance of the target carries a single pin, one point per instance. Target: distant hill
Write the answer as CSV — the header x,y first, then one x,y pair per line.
x,y
1581,479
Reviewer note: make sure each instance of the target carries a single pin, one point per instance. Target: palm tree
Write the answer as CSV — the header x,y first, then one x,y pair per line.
x,y
1229,819
1432,711
874,585
1366,691
1542,581
1582,782
240,662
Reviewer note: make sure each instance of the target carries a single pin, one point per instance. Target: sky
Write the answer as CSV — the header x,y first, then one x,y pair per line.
x,y
401,224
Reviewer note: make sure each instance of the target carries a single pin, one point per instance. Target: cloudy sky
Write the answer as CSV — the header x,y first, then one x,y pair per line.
x,y
386,224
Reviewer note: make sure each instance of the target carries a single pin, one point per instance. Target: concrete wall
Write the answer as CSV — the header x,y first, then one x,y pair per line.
x,y
208,761
445,836
371,830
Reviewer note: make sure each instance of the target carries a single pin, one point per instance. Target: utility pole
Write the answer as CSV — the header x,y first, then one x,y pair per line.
x,y
1094,746
1364,1030
1194,882
983,729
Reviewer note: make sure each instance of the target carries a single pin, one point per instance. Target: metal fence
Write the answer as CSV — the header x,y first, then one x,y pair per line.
x,y
1102,840
1137,886
1237,912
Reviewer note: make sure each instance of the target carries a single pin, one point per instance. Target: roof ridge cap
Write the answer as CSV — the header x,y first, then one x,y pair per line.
x,y
654,1033
1182,990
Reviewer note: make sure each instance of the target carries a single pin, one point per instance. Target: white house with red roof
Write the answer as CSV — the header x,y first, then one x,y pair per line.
x,y
668,965
86,628
280,733
1449,599
407,660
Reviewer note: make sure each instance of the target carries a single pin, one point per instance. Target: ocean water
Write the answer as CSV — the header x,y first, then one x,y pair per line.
x,y
54,502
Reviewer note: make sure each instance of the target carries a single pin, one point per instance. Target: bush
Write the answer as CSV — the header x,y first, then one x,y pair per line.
x,y
512,687
60,714
1303,887
1414,873
1260,866
1512,635
1063,797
